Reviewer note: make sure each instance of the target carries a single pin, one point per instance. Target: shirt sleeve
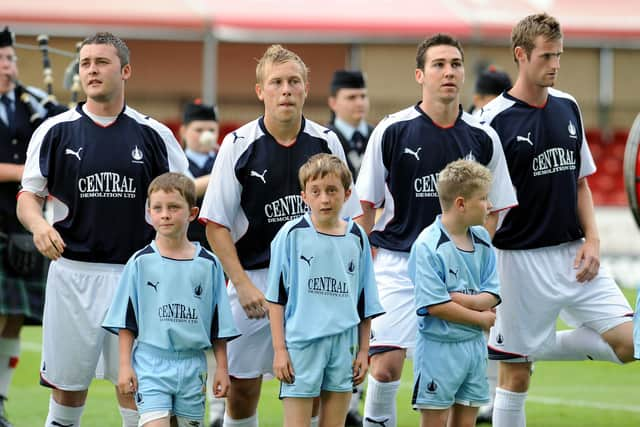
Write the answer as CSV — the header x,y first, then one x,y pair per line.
x,y
352,208
372,176
33,179
223,326
426,273
368,302
502,193
279,269
222,199
123,312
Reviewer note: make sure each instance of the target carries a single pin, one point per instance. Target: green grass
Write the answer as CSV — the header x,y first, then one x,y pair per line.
x,y
567,394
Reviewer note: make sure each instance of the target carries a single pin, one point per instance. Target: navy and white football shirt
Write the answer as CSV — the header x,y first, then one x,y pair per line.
x,y
437,267
547,152
400,169
175,305
325,282
98,177
254,188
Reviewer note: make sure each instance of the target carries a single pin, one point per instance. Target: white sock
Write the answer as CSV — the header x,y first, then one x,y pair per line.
x,y
63,415
315,421
508,409
216,408
245,422
354,404
380,403
130,417
9,356
578,344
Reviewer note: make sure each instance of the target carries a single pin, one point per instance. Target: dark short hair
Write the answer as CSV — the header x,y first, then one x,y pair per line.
x,y
196,110
115,41
436,40
173,181
347,79
492,81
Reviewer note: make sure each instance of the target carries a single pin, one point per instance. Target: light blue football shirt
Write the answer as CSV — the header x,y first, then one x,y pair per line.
x,y
325,282
175,305
437,267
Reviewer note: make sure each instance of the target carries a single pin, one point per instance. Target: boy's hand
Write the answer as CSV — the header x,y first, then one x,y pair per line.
x,y
127,380
487,319
221,382
282,367
360,367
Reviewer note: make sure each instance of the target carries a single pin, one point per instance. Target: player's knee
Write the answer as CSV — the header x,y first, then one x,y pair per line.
x,y
69,398
387,367
620,339
624,351
243,396
515,377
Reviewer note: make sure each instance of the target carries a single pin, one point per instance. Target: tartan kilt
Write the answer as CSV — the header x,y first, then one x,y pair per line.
x,y
22,295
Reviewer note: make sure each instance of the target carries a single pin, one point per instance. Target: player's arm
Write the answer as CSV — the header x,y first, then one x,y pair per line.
x,y
491,223
454,312
221,378
201,184
361,362
127,380
45,237
282,367
10,172
587,260
367,219
478,302
250,297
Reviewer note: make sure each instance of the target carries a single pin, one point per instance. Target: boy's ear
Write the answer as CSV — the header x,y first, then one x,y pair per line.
x,y
193,213
347,194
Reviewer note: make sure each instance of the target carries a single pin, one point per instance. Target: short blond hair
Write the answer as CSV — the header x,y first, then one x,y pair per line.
x,y
526,31
173,181
276,54
321,165
461,178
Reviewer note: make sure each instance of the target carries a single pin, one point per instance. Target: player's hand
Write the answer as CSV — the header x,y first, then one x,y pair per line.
x,y
48,241
221,383
587,260
360,367
487,319
282,367
127,380
252,300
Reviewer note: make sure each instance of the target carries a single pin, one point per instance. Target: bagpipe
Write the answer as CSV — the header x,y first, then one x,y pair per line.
x,y
47,101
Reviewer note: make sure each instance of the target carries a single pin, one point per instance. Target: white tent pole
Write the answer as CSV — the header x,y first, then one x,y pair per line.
x,y
209,67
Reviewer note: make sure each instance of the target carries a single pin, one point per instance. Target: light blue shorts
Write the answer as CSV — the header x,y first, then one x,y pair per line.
x,y
168,380
446,373
322,364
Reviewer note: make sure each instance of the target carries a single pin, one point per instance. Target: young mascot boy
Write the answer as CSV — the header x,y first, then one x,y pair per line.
x,y
322,296
172,300
453,267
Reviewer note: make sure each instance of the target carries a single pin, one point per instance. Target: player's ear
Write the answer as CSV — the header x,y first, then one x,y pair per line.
x,y
259,92
458,203
347,194
419,76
